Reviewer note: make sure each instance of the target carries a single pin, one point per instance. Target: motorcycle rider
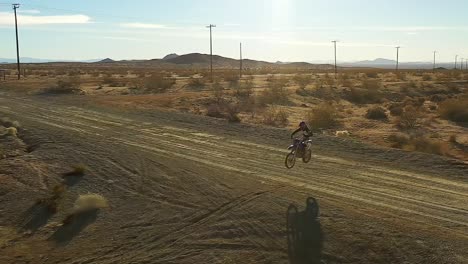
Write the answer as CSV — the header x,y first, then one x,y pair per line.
x,y
306,132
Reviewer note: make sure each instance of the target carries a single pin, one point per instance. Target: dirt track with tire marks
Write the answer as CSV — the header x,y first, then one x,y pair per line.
x,y
182,193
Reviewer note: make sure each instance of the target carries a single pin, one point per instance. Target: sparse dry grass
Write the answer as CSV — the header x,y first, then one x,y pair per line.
x,y
275,116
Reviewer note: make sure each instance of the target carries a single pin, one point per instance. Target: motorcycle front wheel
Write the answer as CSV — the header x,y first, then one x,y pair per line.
x,y
307,155
290,160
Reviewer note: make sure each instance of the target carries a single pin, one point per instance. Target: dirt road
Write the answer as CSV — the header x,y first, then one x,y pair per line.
x,y
189,189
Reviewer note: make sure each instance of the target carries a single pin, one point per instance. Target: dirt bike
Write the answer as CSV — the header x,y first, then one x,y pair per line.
x,y
299,149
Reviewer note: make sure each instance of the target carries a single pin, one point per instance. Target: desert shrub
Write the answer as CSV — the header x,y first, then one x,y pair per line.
x,y
363,96
455,110
302,80
244,89
417,143
111,81
232,78
409,119
218,92
77,170
157,83
196,83
372,75
436,98
65,86
90,201
274,95
376,113
232,112
7,122
395,109
275,116
427,77
324,115
214,110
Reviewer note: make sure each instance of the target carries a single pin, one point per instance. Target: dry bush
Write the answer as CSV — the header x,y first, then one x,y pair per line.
x,y
323,116
372,75
77,170
7,122
427,77
275,94
229,111
418,143
455,110
376,113
302,80
410,118
196,83
65,86
244,89
232,78
275,116
396,109
214,110
218,92
91,201
232,112
157,83
363,96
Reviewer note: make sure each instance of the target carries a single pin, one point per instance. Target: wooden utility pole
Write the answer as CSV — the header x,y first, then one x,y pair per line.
x,y
336,69
211,50
16,6
456,59
397,56
434,64
240,60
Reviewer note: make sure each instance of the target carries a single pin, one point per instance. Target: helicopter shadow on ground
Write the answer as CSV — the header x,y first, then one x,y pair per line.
x,y
304,233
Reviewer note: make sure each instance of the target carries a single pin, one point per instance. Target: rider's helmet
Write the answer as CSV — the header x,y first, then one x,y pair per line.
x,y
302,124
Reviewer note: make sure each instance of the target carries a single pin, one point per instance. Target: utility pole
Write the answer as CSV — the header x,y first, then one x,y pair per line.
x,y
434,65
15,6
456,58
334,42
397,56
211,50
240,60
461,64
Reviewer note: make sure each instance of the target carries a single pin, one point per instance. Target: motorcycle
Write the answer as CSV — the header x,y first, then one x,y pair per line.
x,y
299,149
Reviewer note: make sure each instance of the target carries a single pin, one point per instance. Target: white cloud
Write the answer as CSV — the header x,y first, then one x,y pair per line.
x,y
26,11
143,25
7,19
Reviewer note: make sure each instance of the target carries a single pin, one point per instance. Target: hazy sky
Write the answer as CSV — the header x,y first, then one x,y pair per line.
x,y
286,30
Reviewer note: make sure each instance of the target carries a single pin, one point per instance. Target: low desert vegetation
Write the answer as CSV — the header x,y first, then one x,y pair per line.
x,y
418,143
323,116
365,102
76,171
376,113
65,86
275,116
157,83
91,201
455,110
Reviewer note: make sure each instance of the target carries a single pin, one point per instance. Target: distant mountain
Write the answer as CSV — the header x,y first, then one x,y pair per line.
x,y
106,60
170,56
